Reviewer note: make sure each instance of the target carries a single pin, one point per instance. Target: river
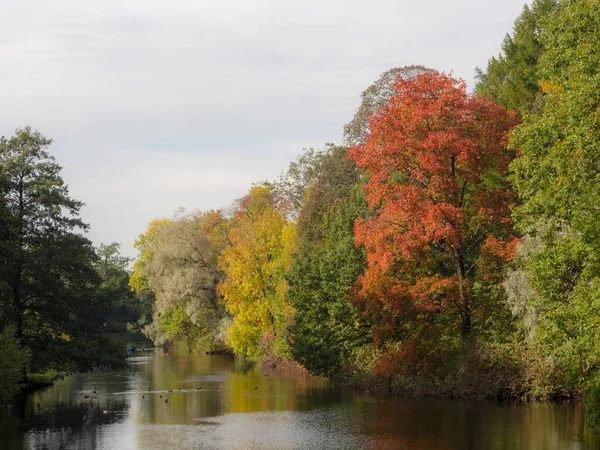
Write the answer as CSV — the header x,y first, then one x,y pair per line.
x,y
218,402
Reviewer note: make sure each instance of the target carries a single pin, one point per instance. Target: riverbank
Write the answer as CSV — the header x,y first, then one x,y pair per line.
x,y
477,371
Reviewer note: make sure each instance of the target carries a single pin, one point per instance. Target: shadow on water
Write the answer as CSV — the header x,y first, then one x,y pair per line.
x,y
216,402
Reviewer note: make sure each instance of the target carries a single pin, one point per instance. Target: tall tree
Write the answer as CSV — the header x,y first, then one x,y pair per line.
x,y
557,177
436,159
327,326
254,289
49,277
512,79
178,264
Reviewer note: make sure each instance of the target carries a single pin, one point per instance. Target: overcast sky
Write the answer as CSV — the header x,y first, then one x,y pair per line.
x,y
158,104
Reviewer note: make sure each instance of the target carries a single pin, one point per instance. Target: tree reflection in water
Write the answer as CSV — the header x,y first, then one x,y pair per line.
x,y
241,407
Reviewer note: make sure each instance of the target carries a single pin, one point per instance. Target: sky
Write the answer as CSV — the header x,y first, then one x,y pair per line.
x,y
155,105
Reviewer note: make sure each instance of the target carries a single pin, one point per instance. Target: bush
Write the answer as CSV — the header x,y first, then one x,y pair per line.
x,y
13,360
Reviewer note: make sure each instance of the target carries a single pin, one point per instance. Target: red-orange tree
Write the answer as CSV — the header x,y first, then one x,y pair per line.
x,y
436,160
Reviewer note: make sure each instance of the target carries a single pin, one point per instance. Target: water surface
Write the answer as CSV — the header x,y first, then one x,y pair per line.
x,y
218,402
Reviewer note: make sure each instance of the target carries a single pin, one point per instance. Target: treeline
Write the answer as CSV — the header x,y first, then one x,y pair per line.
x,y
450,248
59,296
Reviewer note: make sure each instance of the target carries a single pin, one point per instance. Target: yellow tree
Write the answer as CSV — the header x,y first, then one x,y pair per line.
x,y
145,245
262,242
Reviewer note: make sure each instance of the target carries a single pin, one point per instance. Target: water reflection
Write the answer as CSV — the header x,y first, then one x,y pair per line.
x,y
216,402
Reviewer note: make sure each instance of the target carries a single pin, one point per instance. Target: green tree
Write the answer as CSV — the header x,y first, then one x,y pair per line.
x,y
332,184
49,282
327,327
512,79
557,178
127,309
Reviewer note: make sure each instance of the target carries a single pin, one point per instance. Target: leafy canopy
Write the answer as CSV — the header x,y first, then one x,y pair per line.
x,y
254,289
435,159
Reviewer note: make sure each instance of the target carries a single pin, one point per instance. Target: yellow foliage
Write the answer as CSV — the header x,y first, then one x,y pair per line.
x,y
548,86
144,245
254,290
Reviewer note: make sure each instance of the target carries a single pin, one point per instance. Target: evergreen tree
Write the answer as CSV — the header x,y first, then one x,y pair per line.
x,y
49,284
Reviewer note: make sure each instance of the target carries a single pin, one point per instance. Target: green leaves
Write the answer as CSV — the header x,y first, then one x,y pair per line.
x,y
326,326
12,361
176,271
557,179
511,79
49,282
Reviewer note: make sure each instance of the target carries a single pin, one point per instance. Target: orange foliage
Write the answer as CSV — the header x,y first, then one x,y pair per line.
x,y
435,158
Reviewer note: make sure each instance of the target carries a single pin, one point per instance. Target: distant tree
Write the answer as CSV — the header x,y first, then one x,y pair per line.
x,y
332,184
127,309
49,282
291,186
376,97
436,160
180,269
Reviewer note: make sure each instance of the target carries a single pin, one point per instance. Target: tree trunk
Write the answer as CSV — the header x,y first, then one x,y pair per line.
x,y
464,307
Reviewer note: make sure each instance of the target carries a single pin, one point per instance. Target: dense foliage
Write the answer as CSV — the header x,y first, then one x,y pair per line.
x,y
254,289
512,78
436,159
177,269
557,178
50,296
326,328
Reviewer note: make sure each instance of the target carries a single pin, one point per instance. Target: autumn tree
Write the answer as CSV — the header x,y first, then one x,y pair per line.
x,y
145,245
376,97
178,265
254,290
436,160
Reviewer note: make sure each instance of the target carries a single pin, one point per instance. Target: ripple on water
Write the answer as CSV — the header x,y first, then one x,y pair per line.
x,y
262,430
